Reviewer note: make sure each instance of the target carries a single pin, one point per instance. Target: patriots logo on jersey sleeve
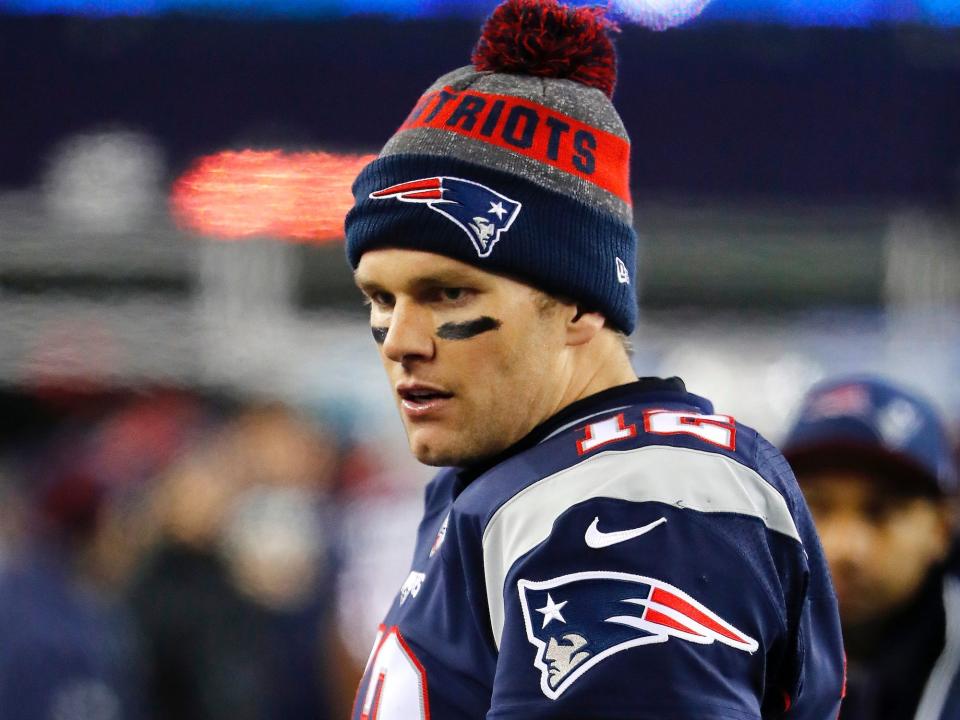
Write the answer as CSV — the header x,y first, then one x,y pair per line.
x,y
483,214
576,621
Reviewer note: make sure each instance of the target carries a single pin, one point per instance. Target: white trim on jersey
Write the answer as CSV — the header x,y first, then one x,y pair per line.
x,y
607,411
948,664
682,477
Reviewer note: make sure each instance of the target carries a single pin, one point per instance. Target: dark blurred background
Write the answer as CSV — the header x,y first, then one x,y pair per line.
x,y
206,502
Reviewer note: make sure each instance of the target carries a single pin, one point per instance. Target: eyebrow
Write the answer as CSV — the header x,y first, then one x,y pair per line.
x,y
364,284
453,278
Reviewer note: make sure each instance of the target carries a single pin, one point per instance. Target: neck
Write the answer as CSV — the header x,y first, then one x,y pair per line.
x,y
902,628
596,366
591,368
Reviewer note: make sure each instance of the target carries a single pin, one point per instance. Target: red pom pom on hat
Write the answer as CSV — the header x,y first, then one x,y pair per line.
x,y
547,39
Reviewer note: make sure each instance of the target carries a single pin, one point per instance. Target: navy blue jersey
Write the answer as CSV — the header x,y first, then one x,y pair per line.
x,y
906,666
636,556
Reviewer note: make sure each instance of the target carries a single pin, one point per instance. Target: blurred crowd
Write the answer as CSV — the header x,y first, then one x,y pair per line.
x,y
169,553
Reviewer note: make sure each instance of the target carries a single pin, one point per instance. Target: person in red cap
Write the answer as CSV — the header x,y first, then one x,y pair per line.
x,y
599,546
875,465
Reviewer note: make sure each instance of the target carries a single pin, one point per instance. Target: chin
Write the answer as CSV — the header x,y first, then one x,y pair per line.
x,y
435,458
429,450
858,615
443,452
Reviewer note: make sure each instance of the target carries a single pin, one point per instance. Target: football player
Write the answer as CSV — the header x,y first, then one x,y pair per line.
x,y
598,546
875,465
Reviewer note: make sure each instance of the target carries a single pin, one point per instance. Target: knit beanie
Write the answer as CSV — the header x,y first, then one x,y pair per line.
x,y
517,164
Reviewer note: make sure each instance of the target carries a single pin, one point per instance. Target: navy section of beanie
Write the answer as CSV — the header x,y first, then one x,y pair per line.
x,y
550,244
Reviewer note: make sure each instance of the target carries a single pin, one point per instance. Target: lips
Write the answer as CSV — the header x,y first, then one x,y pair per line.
x,y
420,400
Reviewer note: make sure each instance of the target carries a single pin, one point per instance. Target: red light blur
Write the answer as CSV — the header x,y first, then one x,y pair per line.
x,y
251,193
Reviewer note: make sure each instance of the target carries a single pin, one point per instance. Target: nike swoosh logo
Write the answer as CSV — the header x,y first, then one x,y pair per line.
x,y
597,539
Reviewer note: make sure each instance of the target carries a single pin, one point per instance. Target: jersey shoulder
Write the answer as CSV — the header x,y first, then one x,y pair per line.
x,y
670,453
660,526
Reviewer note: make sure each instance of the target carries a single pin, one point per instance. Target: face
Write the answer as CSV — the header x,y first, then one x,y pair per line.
x,y
474,360
563,656
879,545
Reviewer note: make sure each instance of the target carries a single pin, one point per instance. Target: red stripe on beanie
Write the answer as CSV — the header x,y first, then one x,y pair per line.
x,y
530,129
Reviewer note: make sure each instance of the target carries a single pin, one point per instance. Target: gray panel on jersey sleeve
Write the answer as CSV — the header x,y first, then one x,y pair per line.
x,y
685,478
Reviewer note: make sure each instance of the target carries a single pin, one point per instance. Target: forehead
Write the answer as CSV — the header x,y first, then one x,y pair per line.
x,y
398,270
853,489
843,486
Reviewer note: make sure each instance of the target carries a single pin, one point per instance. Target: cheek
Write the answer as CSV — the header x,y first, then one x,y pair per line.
x,y
501,368
913,536
524,365
494,371
903,555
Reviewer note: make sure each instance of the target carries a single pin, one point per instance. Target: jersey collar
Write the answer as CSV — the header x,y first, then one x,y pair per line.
x,y
645,390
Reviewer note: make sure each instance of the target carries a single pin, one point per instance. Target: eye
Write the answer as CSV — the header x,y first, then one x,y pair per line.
x,y
450,295
380,299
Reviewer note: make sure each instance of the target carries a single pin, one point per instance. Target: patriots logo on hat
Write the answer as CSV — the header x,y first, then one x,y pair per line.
x,y
577,621
848,399
483,214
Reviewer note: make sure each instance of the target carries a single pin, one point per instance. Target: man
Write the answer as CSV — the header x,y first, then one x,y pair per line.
x,y
599,546
875,466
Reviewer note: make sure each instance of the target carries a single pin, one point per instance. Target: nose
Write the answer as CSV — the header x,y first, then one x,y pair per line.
x,y
410,334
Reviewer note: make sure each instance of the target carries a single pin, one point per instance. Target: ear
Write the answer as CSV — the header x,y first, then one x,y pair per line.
x,y
946,524
937,525
582,325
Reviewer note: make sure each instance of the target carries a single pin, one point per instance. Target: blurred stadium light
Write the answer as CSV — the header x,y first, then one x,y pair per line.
x,y
945,12
653,13
298,196
658,14
104,182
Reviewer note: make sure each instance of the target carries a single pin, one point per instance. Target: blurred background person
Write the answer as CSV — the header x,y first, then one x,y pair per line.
x,y
235,599
70,646
876,467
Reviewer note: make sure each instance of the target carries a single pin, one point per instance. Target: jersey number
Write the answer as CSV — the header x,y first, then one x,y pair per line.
x,y
715,429
604,432
396,681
